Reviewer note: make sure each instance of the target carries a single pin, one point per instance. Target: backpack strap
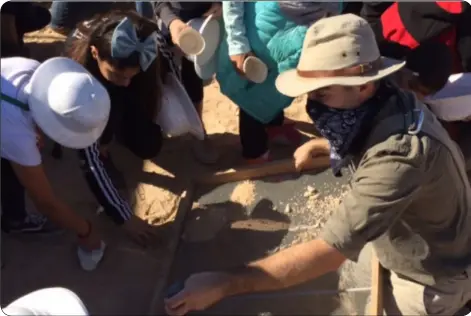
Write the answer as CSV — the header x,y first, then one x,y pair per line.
x,y
418,119
15,102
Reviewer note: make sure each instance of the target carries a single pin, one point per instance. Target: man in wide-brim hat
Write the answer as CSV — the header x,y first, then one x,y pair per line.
x,y
409,196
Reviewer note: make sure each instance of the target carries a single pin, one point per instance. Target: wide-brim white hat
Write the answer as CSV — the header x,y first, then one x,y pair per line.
x,y
67,103
339,50
206,61
452,103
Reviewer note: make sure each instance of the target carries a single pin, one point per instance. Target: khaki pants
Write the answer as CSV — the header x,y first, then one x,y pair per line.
x,y
405,297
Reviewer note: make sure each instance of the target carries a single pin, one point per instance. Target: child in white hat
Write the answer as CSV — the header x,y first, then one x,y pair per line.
x,y
63,100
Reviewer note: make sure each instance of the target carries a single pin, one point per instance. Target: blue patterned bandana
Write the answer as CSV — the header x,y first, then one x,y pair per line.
x,y
342,127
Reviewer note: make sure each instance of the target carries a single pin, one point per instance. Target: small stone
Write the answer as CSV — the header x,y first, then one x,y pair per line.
x,y
287,209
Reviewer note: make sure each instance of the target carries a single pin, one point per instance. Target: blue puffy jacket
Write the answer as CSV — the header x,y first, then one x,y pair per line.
x,y
277,41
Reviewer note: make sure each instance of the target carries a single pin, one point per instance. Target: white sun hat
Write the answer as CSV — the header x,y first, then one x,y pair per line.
x,y
339,50
206,61
69,105
452,103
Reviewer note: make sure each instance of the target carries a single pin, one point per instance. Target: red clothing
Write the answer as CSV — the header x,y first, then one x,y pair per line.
x,y
402,26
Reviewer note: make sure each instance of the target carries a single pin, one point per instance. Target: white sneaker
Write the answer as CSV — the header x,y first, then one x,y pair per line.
x,y
89,260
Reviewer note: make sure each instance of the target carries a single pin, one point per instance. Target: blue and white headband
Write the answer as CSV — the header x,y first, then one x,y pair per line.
x,y
124,42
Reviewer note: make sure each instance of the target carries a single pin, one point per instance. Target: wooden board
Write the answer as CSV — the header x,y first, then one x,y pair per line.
x,y
264,170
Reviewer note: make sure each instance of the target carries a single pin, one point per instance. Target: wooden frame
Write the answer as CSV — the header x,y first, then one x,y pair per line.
x,y
254,172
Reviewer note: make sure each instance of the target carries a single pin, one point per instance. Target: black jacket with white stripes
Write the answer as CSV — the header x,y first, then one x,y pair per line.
x,y
102,178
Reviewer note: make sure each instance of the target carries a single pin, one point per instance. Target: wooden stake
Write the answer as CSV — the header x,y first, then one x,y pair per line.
x,y
377,273
260,171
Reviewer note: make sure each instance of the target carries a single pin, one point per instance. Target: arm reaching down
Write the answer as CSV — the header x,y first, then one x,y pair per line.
x,y
289,267
108,191
37,185
237,42
233,15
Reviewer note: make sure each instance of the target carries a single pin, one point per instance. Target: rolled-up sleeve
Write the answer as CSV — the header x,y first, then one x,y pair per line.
x,y
382,188
233,15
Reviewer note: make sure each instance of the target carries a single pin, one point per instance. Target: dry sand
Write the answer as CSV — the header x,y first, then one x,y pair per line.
x,y
157,187
244,193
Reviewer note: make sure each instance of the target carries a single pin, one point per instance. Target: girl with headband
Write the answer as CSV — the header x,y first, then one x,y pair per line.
x,y
129,56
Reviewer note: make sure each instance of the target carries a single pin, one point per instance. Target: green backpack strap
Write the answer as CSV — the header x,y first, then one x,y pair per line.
x,y
15,102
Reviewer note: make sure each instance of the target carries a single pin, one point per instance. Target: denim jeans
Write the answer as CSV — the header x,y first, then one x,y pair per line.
x,y
68,14
145,8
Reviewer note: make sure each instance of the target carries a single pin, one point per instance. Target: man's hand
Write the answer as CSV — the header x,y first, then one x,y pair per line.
x,y
201,291
305,153
139,231
176,27
284,269
215,10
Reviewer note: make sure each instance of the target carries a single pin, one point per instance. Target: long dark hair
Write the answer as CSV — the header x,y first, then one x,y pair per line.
x,y
145,87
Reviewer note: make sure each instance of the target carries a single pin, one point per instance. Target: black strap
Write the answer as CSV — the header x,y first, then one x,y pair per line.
x,y
15,102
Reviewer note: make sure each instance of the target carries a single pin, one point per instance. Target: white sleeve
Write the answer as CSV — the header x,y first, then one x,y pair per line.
x,y
23,151
18,137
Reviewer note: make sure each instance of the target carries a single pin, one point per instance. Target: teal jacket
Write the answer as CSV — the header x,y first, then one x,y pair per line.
x,y
274,39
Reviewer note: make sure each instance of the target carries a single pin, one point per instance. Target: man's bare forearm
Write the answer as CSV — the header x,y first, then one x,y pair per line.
x,y
286,268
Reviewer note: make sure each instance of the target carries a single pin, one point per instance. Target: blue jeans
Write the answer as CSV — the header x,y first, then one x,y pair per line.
x,y
68,14
145,8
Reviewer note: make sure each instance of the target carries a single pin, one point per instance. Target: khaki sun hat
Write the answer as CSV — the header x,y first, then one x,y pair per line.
x,y
339,50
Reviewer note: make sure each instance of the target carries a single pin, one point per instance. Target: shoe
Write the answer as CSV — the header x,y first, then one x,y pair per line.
x,y
285,135
32,224
204,151
89,260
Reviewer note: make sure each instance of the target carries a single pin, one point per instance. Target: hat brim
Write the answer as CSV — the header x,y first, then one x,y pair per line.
x,y
210,30
48,121
291,84
208,70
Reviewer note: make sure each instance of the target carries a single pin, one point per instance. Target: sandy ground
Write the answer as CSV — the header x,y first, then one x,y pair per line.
x,y
130,277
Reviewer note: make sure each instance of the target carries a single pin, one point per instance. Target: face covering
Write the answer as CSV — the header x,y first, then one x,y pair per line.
x,y
342,127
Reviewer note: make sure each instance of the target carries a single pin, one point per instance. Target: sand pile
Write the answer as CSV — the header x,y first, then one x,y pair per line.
x,y
244,193
153,204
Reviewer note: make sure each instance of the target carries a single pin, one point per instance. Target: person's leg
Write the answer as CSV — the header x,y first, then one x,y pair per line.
x,y
13,195
253,138
142,137
402,296
65,15
146,9
34,17
51,301
15,218
282,133
465,144
204,150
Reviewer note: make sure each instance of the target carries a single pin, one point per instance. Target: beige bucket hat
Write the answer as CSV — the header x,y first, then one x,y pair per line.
x,y
339,50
